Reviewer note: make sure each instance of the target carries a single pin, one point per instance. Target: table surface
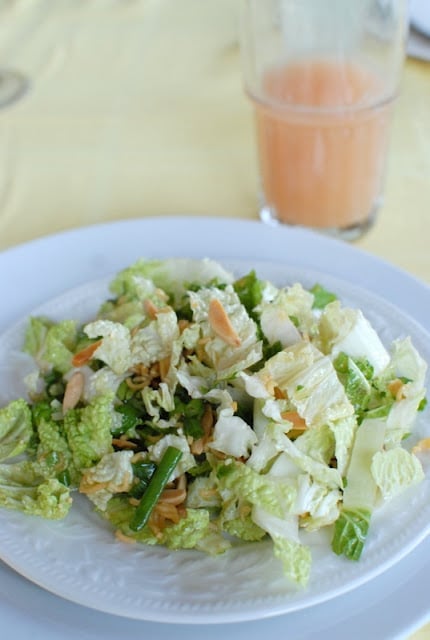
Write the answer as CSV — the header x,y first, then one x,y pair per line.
x,y
136,108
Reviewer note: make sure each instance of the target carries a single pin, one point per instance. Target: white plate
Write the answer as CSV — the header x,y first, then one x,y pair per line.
x,y
419,12
105,249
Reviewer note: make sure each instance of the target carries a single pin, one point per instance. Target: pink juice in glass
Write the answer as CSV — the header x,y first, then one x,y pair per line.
x,y
322,155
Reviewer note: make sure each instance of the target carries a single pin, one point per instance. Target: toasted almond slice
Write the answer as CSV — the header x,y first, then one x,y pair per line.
x,y
122,443
395,387
293,416
207,420
197,447
220,323
164,366
150,308
73,392
83,356
279,394
422,445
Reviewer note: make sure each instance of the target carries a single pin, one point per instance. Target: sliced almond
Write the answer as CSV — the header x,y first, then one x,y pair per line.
x,y
85,355
396,389
123,443
73,392
297,421
220,323
422,445
150,309
164,366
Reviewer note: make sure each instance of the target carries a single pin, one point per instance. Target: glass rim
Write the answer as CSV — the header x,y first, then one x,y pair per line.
x,y
300,109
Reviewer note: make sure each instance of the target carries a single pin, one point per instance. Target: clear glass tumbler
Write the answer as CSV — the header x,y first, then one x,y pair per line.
x,y
323,76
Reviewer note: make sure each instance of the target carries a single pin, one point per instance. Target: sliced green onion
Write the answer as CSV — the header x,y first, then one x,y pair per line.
x,y
155,488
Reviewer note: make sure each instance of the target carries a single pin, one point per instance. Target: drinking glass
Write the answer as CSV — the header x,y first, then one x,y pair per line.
x,y
323,76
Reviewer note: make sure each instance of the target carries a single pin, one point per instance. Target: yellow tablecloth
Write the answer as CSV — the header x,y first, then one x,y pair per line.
x,y
136,108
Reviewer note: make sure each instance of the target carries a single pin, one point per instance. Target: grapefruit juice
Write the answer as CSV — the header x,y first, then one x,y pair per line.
x,y
322,133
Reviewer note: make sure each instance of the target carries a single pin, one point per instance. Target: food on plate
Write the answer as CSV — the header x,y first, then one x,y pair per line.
x,y
200,410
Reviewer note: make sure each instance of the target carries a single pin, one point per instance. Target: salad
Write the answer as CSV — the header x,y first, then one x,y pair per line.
x,y
198,410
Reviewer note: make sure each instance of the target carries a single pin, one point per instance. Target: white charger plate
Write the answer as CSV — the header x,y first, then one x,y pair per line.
x,y
110,247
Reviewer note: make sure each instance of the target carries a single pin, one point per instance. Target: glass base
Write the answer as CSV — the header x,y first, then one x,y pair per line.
x,y
351,233
13,85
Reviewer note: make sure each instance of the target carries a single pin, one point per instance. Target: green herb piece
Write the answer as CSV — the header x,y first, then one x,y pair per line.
x,y
422,405
190,412
322,297
143,472
250,291
130,419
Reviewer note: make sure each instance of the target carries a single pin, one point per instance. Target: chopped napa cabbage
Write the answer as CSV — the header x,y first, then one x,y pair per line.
x,y
16,429
88,431
357,386
317,443
317,505
236,520
53,454
350,532
154,342
232,435
395,470
22,488
115,349
238,480
51,344
226,361
289,311
173,275
346,330
359,496
295,557
360,490
203,492
100,382
112,474
277,325
157,399
276,441
406,364
180,442
311,384
189,531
